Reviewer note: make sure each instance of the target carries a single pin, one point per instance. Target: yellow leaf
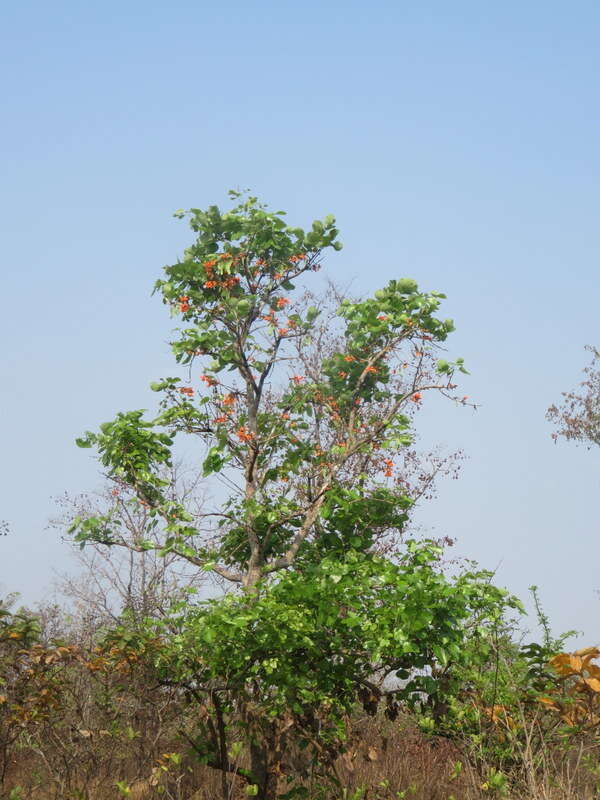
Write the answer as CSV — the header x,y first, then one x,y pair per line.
x,y
587,660
548,702
588,651
593,683
562,664
576,663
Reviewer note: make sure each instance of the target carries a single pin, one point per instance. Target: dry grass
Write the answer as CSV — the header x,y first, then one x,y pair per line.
x,y
387,761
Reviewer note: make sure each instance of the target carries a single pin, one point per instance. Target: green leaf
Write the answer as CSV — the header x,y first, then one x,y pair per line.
x,y
213,462
407,286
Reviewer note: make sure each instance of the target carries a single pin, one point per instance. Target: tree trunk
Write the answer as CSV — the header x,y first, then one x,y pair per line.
x,y
266,779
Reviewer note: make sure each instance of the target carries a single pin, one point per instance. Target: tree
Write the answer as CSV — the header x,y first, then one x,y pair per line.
x,y
304,415
578,417
127,579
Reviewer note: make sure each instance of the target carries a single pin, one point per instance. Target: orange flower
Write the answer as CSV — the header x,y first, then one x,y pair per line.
x,y
278,276
208,380
282,331
298,379
244,435
210,284
229,400
349,358
416,398
370,368
282,302
382,317
187,390
342,374
285,415
220,420
210,264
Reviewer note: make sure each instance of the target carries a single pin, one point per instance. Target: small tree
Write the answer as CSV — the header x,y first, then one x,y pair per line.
x,y
304,415
578,417
129,578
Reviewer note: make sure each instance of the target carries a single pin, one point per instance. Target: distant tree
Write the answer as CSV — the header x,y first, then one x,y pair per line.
x,y
578,416
126,577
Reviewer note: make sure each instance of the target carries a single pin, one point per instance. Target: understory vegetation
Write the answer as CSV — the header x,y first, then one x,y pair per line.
x,y
84,714
267,622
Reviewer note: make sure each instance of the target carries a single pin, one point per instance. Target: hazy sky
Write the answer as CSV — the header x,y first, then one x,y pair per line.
x,y
457,143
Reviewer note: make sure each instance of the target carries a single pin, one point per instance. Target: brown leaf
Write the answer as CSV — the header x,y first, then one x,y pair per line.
x,y
287,724
348,759
372,754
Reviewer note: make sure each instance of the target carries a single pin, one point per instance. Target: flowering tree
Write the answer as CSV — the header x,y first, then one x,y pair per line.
x,y
304,414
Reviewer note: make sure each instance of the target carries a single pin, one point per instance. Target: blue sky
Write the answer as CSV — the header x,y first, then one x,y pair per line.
x,y
457,143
